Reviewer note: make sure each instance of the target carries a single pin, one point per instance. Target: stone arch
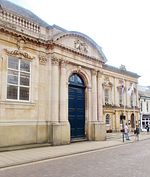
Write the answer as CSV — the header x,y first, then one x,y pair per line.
x,y
83,75
87,83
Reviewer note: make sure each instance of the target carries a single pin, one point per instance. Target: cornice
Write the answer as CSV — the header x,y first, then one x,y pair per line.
x,y
48,44
76,52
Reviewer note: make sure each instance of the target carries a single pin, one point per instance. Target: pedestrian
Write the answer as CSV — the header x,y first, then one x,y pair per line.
x,y
147,127
136,133
126,132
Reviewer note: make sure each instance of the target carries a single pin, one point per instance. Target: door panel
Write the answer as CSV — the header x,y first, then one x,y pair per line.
x,y
77,111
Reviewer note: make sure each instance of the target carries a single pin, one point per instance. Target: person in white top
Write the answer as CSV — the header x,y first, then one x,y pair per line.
x,y
126,132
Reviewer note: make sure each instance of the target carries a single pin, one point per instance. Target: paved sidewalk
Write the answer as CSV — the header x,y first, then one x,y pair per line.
x,y
18,157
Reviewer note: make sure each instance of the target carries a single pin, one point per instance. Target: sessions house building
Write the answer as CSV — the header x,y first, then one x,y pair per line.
x,y
55,85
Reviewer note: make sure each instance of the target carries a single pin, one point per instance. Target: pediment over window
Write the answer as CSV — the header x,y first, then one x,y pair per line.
x,y
80,43
107,82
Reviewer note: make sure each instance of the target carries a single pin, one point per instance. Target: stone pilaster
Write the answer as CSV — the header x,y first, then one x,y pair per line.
x,y
102,133
94,95
100,96
137,100
55,90
63,93
117,121
116,93
96,129
60,128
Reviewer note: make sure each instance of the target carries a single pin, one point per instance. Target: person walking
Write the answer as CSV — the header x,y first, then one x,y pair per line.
x,y
137,132
126,132
147,127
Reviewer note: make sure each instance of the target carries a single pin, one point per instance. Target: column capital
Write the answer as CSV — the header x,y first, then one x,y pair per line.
x,y
63,63
100,73
42,59
94,72
55,61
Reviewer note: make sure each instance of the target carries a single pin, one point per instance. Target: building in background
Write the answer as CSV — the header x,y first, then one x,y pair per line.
x,y
55,85
120,98
144,97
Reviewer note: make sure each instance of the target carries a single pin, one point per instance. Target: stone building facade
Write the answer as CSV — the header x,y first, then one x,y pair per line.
x,y
54,82
144,97
120,98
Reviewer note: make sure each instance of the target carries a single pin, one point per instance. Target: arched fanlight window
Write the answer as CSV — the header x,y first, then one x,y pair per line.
x,y
75,79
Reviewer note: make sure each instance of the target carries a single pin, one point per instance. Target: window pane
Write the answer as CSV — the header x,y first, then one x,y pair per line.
x,y
71,79
79,80
12,77
76,80
24,93
106,95
13,63
107,119
25,65
12,92
24,79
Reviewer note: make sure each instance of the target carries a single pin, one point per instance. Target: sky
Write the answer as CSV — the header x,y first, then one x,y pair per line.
x,y
120,27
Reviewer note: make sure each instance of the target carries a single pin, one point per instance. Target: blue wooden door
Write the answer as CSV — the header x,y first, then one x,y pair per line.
x,y
77,108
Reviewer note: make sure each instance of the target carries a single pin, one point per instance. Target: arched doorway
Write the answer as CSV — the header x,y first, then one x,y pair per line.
x,y
132,121
76,106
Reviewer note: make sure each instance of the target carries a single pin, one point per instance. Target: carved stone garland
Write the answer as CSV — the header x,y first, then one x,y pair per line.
x,y
19,54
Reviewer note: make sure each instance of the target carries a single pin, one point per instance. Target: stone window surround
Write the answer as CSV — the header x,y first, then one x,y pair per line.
x,y
18,85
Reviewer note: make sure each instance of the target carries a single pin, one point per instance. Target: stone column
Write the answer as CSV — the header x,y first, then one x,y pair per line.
x,y
55,90
128,96
114,122
116,93
137,100
100,108
94,126
60,129
117,115
63,92
65,126
54,127
100,97
113,91
94,96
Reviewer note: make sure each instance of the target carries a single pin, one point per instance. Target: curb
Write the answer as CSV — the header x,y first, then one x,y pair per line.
x,y
15,164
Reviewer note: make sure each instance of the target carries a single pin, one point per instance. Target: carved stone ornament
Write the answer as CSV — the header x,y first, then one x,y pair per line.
x,y
55,60
79,69
20,43
19,54
63,63
94,72
121,85
80,46
107,82
42,59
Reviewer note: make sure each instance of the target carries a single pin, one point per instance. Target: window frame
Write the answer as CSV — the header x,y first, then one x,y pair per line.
x,y
19,85
107,119
107,96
